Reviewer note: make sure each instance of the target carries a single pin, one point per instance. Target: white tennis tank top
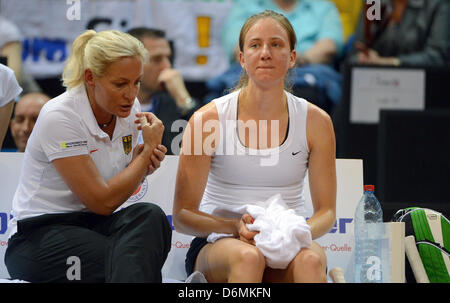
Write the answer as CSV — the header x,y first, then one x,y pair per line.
x,y
239,175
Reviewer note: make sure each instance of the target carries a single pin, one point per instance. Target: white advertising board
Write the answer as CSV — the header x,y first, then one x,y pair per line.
x,y
159,189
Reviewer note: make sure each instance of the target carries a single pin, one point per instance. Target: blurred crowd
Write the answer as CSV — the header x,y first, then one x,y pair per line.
x,y
193,47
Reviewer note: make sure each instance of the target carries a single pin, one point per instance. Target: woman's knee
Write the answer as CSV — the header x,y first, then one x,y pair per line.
x,y
231,260
146,220
144,208
311,260
155,215
249,257
310,266
152,213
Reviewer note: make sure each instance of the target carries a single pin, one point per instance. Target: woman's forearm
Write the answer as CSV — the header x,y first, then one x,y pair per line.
x,y
122,186
200,224
321,222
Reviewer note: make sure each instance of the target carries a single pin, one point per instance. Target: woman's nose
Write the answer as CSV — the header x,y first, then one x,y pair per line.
x,y
265,52
131,92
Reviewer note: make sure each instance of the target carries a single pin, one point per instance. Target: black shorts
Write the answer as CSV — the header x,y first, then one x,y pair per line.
x,y
191,256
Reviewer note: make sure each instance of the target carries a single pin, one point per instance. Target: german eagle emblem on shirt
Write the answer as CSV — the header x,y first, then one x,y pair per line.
x,y
126,140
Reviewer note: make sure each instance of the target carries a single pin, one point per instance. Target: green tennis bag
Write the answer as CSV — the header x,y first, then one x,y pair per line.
x,y
431,230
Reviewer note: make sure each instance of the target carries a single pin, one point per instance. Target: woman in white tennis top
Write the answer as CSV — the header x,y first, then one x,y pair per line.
x,y
82,162
226,163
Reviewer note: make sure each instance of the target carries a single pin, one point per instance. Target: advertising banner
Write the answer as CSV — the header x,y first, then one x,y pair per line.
x,y
159,188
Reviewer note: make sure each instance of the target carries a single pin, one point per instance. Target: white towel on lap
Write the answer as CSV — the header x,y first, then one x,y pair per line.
x,y
282,233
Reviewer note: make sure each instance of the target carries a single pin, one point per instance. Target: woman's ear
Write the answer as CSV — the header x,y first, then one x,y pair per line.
x,y
293,58
89,78
241,60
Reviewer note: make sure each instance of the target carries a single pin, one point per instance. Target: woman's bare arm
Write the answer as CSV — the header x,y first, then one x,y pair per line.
x,y
193,169
321,170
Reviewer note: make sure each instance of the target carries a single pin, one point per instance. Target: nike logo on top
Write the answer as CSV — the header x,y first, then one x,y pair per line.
x,y
295,153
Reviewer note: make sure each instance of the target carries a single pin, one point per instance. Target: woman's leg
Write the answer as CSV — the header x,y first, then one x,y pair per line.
x,y
309,266
140,240
231,260
57,253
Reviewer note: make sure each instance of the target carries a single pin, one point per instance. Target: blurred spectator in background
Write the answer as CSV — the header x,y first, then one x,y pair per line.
x,y
194,27
25,115
349,10
9,90
11,46
11,49
410,33
320,40
49,27
162,90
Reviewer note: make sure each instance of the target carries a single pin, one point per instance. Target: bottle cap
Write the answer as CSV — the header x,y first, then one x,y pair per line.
x,y
369,188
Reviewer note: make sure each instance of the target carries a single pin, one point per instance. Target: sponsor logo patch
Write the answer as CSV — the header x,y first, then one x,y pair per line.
x,y
65,145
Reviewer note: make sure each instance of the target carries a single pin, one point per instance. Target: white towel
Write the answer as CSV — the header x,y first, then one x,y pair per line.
x,y
282,233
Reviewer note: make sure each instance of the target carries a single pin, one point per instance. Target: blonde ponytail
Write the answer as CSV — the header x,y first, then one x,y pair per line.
x,y
73,73
96,51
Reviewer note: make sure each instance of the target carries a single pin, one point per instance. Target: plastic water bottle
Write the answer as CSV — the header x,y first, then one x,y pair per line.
x,y
368,244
